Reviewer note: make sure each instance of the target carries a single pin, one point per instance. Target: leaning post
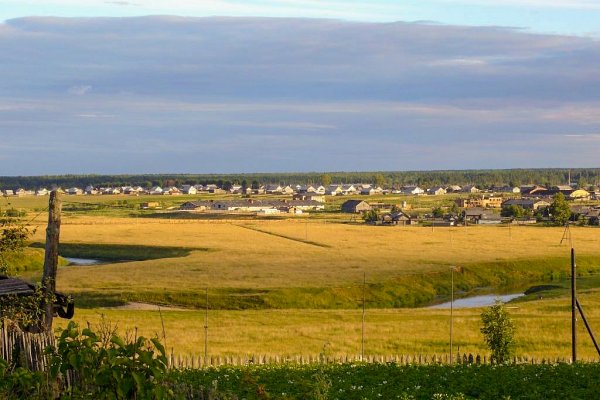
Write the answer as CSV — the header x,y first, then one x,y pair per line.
x,y
51,257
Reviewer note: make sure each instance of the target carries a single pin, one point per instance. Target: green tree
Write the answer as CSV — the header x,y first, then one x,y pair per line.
x,y
513,210
326,179
370,216
438,212
559,210
498,332
379,180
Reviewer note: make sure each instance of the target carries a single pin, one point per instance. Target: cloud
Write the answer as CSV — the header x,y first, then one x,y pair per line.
x,y
311,94
79,90
121,3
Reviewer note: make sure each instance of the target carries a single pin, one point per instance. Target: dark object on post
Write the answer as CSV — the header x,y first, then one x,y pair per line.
x,y
51,256
63,306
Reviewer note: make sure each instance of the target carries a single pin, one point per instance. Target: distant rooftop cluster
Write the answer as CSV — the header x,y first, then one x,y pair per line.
x,y
526,191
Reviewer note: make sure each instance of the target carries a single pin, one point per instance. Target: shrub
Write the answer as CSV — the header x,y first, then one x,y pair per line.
x,y
498,332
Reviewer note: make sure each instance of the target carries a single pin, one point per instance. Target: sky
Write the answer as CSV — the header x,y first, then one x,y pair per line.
x,y
153,86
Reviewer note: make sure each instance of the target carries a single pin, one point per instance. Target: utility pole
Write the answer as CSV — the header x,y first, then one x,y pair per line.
x,y
51,257
206,330
573,308
451,311
362,341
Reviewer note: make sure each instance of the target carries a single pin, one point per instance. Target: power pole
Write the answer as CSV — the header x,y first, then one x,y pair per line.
x,y
51,257
206,330
362,341
451,312
573,307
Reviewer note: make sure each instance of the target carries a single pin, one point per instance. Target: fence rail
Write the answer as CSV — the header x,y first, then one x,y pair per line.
x,y
197,362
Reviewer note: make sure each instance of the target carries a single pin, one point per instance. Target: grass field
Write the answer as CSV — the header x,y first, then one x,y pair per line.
x,y
311,264
294,285
543,329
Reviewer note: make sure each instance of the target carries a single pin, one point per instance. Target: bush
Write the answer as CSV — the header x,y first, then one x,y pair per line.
x,y
99,365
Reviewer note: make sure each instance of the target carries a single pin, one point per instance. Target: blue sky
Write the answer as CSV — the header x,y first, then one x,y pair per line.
x,y
160,94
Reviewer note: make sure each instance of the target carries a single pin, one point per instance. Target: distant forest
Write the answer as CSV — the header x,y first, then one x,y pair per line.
x,y
584,177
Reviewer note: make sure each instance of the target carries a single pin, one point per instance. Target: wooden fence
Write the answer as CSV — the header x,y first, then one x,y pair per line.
x,y
197,362
25,349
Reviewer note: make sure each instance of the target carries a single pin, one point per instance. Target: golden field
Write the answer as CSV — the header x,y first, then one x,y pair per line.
x,y
306,257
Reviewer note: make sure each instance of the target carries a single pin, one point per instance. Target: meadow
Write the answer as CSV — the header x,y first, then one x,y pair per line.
x,y
542,329
294,285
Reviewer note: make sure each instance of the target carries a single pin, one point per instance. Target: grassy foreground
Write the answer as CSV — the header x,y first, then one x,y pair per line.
x,y
360,381
543,330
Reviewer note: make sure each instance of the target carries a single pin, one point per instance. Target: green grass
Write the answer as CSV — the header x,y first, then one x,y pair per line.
x,y
392,381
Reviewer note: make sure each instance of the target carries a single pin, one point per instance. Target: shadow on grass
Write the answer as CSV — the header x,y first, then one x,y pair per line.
x,y
121,252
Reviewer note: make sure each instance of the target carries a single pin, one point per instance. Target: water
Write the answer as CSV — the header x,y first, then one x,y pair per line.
x,y
479,301
82,261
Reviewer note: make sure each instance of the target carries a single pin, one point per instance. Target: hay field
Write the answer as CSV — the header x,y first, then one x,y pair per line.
x,y
285,259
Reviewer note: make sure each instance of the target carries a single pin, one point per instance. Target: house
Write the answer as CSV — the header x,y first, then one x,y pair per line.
x,y
333,190
355,206
527,204
42,192
437,191
20,192
349,189
172,191
320,190
195,206
189,189
370,191
310,196
306,189
579,195
396,218
453,189
273,189
9,192
287,190
137,190
532,190
150,204
470,189
74,191
480,202
111,191
412,190
481,216
506,189
155,190
89,189
592,216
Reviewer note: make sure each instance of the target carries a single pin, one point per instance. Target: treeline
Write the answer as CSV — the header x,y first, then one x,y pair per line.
x,y
483,178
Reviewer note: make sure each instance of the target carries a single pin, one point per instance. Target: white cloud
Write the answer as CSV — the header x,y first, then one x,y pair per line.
x,y
79,90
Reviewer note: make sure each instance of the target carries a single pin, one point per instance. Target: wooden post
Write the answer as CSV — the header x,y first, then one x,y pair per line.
x,y
51,257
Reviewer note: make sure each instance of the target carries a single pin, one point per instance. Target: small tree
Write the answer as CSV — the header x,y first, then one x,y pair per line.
x,y
498,332
559,210
370,216
326,179
438,212
514,210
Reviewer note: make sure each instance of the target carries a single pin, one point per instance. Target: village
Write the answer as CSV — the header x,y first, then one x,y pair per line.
x,y
526,204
